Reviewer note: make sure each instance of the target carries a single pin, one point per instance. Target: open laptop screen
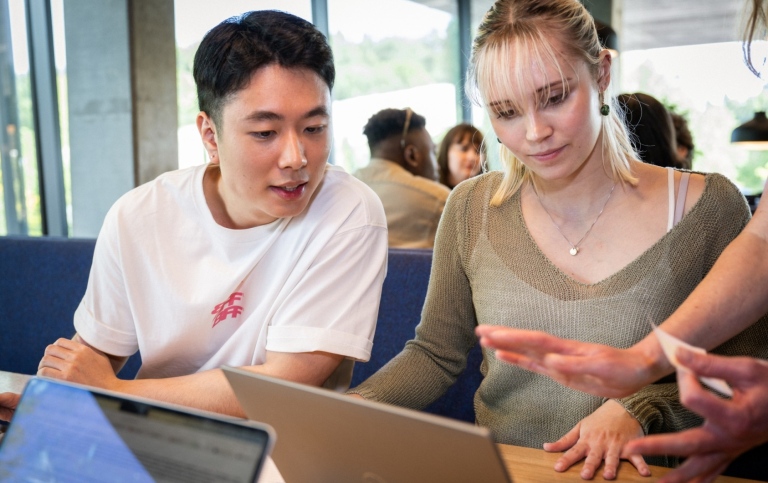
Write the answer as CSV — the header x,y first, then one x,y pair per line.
x,y
63,432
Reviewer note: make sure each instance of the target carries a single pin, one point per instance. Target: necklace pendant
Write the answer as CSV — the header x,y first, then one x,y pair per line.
x,y
573,251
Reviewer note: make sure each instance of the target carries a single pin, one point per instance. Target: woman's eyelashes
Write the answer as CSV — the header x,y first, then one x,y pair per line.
x,y
554,100
549,101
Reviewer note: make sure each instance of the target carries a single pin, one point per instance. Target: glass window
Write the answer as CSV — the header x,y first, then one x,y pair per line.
x,y
60,59
392,54
19,189
712,88
193,19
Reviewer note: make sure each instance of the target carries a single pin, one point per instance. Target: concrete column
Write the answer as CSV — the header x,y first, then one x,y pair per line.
x,y
121,84
153,55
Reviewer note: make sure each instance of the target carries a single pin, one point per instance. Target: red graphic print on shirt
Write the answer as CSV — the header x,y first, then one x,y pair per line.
x,y
227,308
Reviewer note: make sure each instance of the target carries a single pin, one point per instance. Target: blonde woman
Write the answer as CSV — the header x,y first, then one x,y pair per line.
x,y
576,238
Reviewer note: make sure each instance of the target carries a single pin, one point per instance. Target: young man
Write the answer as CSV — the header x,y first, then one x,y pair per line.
x,y
267,258
403,172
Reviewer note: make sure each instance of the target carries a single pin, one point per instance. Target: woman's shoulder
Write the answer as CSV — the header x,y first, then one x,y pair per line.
x,y
478,185
722,195
717,184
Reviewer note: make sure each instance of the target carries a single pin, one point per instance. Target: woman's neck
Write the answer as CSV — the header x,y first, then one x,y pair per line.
x,y
575,197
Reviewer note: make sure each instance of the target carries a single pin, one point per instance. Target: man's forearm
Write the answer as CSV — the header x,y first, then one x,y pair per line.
x,y
207,390
210,390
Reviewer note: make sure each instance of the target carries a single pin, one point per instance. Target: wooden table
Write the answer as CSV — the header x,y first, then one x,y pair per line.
x,y
529,465
12,382
526,465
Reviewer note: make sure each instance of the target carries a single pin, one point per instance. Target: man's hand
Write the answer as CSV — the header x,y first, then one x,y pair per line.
x,y
600,436
8,403
592,368
731,426
76,362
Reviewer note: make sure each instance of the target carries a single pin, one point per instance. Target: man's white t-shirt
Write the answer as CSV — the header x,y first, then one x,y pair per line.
x,y
191,295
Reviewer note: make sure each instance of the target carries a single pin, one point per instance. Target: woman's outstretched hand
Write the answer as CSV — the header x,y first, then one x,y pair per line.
x,y
592,368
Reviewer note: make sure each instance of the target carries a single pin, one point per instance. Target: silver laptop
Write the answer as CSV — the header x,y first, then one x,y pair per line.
x,y
67,432
329,437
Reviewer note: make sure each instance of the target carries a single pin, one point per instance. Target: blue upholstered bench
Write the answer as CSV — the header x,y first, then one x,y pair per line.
x,y
402,298
43,279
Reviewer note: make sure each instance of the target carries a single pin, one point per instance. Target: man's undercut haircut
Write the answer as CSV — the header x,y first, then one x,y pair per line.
x,y
234,50
390,123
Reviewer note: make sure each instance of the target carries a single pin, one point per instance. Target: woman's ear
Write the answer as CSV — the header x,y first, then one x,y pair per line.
x,y
604,70
207,130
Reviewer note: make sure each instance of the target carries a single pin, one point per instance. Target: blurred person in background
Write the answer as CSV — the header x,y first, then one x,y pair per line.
x,y
651,129
461,155
685,146
403,173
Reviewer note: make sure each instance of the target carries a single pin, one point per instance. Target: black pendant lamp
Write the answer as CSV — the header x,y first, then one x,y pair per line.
x,y
752,134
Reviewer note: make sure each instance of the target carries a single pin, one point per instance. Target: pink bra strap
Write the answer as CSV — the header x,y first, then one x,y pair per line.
x,y
681,192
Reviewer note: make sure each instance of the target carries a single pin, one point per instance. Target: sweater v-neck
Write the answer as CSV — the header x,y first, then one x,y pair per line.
x,y
623,277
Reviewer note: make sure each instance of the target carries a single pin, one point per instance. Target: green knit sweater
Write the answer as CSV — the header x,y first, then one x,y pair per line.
x,y
487,269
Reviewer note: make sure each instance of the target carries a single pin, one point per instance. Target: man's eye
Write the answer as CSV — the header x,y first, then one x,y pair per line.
x,y
315,129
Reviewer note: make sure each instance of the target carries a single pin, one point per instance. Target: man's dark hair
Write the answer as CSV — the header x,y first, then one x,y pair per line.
x,y
390,122
237,47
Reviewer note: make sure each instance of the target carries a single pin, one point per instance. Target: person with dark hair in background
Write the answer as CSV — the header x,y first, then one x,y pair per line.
x,y
403,173
651,129
227,263
461,154
685,146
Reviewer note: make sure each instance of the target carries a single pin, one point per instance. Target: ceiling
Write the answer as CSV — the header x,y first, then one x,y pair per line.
x,y
649,24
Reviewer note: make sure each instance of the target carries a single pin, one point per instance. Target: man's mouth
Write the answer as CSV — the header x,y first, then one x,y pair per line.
x,y
290,191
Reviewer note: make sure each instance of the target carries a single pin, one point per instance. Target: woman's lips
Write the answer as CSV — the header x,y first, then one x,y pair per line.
x,y
547,155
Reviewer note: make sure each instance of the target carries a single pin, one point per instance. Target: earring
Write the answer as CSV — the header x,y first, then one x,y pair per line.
x,y
499,140
605,109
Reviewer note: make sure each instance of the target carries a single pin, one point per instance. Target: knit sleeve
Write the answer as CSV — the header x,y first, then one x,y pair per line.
x,y
658,409
430,363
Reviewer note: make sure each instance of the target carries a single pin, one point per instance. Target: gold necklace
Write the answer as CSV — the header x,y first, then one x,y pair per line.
x,y
574,248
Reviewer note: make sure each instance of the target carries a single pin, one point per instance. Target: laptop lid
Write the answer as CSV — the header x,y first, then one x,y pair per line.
x,y
330,437
66,432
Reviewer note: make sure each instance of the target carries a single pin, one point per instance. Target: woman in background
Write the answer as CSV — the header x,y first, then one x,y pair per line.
x,y
461,155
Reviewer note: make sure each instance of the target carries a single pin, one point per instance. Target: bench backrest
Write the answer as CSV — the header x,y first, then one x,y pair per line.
x,y
402,298
42,280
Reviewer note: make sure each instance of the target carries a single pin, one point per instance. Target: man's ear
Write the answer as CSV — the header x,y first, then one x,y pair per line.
x,y
412,158
207,130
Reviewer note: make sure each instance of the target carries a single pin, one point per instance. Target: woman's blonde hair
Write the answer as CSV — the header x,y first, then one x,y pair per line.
x,y
754,29
526,30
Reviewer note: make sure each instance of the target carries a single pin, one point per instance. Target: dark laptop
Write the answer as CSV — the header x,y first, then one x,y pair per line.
x,y
330,437
66,432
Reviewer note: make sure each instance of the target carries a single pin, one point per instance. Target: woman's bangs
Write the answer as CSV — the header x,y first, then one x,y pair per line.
x,y
505,90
